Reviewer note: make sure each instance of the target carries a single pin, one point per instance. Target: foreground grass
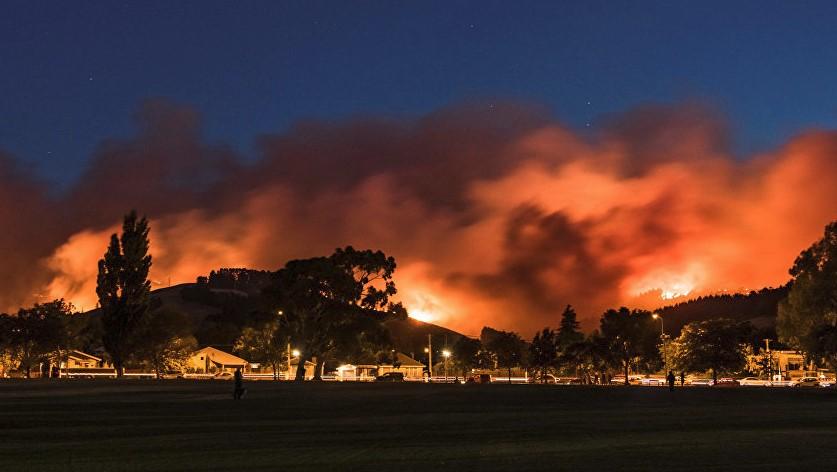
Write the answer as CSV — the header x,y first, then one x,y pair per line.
x,y
195,426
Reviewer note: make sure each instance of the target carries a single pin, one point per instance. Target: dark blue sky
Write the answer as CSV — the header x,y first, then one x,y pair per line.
x,y
72,74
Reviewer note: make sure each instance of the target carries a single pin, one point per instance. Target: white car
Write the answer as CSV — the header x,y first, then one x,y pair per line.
x,y
702,382
754,382
652,381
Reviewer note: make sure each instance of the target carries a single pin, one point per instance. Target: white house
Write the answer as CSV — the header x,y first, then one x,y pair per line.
x,y
211,360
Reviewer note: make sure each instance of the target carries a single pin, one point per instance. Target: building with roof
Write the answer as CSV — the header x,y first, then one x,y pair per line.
x,y
81,364
210,360
411,368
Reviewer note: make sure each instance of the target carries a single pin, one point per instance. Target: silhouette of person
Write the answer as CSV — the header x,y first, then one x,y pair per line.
x,y
682,378
670,378
238,389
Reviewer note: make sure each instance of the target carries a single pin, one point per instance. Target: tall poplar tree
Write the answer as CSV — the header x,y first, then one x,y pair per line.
x,y
569,332
124,290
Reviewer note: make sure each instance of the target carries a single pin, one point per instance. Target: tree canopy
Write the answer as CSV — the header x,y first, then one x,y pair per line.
x,y
325,299
37,334
568,331
166,341
124,290
543,353
716,345
507,348
812,301
632,337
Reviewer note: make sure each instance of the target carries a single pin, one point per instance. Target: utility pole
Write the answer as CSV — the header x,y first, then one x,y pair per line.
x,y
430,355
769,359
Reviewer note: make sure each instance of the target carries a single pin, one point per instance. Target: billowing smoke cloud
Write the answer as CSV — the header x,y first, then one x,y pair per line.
x,y
496,214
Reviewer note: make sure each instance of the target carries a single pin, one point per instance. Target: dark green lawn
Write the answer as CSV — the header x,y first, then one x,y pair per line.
x,y
196,426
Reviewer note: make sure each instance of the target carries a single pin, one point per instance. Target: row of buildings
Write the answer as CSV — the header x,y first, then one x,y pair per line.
x,y
210,361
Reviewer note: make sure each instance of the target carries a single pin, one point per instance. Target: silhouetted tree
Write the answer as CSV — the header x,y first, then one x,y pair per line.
x,y
631,336
323,298
6,346
166,341
716,345
507,348
568,332
124,290
587,358
811,305
543,353
39,334
264,343
821,344
468,354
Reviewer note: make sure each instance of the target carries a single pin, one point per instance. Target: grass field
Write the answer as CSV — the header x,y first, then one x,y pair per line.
x,y
196,426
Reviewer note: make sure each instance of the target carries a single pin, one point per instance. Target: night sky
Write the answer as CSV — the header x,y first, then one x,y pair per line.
x,y
513,159
74,73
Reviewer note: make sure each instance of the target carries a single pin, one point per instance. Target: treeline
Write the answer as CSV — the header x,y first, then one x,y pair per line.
x,y
626,342
337,307
763,303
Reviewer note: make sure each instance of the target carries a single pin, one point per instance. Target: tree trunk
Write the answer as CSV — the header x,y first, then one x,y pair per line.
x,y
300,370
714,376
275,372
509,379
120,370
318,369
626,372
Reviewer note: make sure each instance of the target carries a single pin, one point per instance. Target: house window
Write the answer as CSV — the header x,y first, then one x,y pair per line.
x,y
201,357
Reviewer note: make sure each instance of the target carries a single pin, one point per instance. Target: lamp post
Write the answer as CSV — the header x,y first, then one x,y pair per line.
x,y
446,353
663,336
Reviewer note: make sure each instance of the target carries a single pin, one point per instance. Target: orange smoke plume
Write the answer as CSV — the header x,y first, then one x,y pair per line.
x,y
497,216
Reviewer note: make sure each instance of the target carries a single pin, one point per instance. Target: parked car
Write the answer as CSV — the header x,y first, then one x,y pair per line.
x,y
652,381
727,382
223,376
390,377
754,382
479,378
547,378
808,382
632,379
702,382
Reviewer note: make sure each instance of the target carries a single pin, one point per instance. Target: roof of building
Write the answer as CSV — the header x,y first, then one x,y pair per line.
x,y
407,361
220,357
403,359
83,356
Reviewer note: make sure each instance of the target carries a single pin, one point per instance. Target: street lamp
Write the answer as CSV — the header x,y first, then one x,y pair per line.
x,y
446,354
663,336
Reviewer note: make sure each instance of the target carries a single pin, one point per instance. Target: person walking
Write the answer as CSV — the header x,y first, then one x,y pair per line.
x,y
670,378
238,389
682,378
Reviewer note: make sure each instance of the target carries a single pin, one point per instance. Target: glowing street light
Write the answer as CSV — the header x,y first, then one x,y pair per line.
x,y
296,353
663,336
446,355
